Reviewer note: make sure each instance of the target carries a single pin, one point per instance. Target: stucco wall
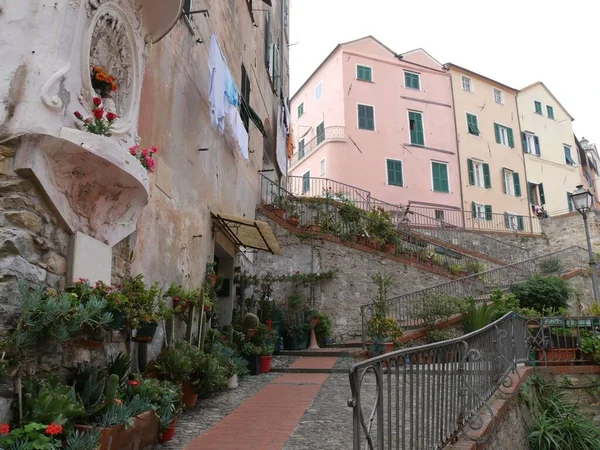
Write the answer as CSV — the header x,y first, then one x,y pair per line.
x,y
550,168
342,297
484,148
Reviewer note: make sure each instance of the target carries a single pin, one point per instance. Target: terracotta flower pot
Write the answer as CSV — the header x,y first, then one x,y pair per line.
x,y
316,227
390,248
168,432
557,356
265,363
293,221
190,396
184,304
212,277
279,212
389,347
314,322
250,333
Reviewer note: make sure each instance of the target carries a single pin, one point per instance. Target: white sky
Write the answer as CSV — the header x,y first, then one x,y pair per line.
x,y
516,42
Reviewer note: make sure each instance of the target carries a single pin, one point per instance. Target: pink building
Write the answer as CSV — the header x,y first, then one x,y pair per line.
x,y
381,122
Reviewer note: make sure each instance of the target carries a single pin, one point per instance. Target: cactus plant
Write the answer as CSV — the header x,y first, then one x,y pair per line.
x,y
111,390
250,321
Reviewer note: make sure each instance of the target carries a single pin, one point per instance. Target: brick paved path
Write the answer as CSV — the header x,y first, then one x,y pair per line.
x,y
267,420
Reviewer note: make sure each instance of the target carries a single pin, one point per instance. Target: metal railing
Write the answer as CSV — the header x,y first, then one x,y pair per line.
x,y
327,188
327,215
406,307
423,397
329,134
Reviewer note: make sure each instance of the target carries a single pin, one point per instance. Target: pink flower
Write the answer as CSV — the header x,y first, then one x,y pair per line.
x,y
83,280
154,149
88,120
133,150
145,152
97,101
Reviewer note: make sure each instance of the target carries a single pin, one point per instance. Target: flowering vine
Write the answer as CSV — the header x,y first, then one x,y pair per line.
x,y
102,121
145,156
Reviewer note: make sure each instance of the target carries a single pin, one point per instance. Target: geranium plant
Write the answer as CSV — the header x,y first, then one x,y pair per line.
x,y
145,156
102,82
102,121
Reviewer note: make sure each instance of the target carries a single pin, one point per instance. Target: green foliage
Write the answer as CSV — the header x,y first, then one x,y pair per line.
x,y
144,304
540,293
474,266
456,269
477,316
590,345
211,375
47,401
173,363
592,310
507,302
89,382
250,321
30,437
380,303
379,225
249,349
556,423
438,308
111,390
267,349
551,265
383,328
124,413
120,365
78,440
434,335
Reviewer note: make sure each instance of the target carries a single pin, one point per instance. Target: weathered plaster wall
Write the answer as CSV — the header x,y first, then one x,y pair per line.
x,y
342,297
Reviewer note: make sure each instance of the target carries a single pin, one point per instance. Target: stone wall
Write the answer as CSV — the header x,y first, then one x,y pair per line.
x,y
511,433
342,297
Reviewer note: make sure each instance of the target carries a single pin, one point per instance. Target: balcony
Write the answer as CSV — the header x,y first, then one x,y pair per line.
x,y
330,134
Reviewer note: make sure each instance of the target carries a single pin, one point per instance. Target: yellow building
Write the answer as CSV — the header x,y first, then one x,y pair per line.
x,y
551,156
493,178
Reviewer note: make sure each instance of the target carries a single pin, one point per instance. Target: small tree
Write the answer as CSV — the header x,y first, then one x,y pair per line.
x,y
542,293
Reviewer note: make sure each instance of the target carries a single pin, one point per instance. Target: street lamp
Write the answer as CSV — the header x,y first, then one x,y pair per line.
x,y
583,200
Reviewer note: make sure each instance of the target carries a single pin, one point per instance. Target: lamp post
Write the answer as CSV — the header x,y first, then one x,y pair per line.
x,y
583,200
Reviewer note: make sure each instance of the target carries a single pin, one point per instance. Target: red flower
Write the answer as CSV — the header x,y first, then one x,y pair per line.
x,y
154,149
269,324
145,152
133,383
133,150
97,101
4,428
110,116
88,120
53,429
98,113
78,115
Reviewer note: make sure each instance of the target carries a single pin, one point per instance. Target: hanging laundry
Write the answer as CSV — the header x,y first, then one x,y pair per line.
x,y
238,130
231,90
290,144
218,82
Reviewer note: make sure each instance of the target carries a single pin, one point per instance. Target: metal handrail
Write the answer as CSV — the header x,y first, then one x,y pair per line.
x,y
425,396
404,308
330,133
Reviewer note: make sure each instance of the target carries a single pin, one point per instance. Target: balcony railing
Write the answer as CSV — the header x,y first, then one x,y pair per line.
x,y
423,397
329,134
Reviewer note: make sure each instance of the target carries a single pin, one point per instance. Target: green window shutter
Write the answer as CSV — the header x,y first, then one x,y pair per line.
x,y
531,192
488,212
569,202
520,223
306,182
474,210
487,179
394,169
506,220
541,191
417,136
320,132
300,110
412,80
497,133
504,179
472,124
538,107
364,73
517,184
524,141
536,142
301,149
471,172
550,111
440,177
511,139
366,119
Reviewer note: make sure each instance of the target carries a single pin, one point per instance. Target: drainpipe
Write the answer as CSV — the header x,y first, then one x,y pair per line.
x,y
529,202
457,150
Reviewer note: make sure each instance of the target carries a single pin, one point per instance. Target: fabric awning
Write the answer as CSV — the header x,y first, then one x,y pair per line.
x,y
248,233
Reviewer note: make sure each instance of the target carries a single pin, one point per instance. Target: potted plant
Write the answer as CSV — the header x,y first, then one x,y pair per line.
x,y
293,219
174,363
252,353
279,206
144,309
211,275
266,356
316,226
250,323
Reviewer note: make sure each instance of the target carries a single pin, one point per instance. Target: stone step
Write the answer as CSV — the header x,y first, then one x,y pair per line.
x,y
323,352
307,370
349,344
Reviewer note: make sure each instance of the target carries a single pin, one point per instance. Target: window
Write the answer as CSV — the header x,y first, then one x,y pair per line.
x,y
481,212
536,194
498,96
531,144
439,173
394,173
479,173
412,80
514,222
570,202
568,159
320,132
300,110
472,125
366,117
538,107
511,182
439,214
244,110
504,135
306,182
364,73
323,167
550,110
467,84
415,125
319,91
300,149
